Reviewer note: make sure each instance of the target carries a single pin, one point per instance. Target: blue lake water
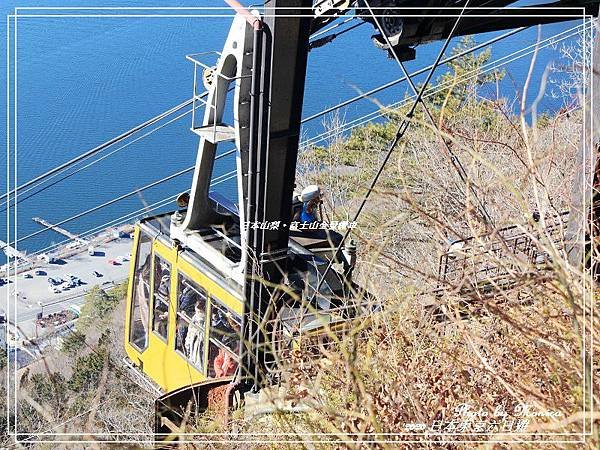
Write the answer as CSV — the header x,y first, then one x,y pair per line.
x,y
84,80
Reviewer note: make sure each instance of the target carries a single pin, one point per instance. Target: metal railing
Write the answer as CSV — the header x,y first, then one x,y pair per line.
x,y
207,64
303,333
488,262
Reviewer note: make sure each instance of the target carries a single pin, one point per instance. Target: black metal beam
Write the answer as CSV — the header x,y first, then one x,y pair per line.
x,y
275,133
289,54
437,24
504,19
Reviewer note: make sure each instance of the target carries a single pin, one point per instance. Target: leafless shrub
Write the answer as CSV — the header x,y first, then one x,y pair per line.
x,y
522,340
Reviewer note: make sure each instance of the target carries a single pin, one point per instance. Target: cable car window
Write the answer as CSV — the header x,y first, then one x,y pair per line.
x,y
140,308
191,319
224,343
161,289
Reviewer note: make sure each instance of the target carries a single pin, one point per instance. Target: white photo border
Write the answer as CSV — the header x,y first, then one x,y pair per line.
x,y
227,13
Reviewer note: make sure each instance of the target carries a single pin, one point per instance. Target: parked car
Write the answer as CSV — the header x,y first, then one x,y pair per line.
x,y
27,275
39,273
113,262
55,281
76,309
123,258
97,274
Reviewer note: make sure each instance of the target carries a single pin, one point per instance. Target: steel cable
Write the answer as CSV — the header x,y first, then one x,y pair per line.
x,y
489,67
98,148
402,128
117,199
41,178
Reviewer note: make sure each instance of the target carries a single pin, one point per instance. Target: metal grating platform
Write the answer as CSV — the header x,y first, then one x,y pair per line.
x,y
497,260
216,133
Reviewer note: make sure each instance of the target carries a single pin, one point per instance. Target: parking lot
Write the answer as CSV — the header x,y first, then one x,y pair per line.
x,y
29,296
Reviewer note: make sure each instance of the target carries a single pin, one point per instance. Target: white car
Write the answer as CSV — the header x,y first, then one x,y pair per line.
x,y
75,309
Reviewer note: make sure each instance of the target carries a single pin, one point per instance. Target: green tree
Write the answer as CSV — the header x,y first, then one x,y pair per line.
x,y
73,343
87,370
50,389
119,292
456,90
465,76
97,308
372,137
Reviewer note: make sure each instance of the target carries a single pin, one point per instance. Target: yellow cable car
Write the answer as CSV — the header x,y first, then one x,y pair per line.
x,y
184,314
182,319
217,287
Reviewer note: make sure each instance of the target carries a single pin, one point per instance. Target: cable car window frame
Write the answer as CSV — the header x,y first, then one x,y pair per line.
x,y
181,315
158,298
143,238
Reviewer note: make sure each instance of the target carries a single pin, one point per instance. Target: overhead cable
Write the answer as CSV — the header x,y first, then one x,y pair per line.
x,y
134,214
80,169
98,148
118,199
379,112
402,129
347,102
416,73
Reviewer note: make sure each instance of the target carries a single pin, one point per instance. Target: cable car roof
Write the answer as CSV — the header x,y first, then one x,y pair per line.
x,y
305,268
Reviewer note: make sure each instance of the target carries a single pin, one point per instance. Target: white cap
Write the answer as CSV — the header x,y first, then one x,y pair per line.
x,y
310,193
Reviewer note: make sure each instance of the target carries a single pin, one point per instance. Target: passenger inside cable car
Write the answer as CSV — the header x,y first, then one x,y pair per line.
x,y
162,282
194,341
224,343
139,329
190,318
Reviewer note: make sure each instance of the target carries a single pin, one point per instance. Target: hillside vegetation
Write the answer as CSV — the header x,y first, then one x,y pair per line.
x,y
469,362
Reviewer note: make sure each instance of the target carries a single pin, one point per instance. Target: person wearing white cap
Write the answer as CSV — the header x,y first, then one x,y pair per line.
x,y
310,198
321,238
